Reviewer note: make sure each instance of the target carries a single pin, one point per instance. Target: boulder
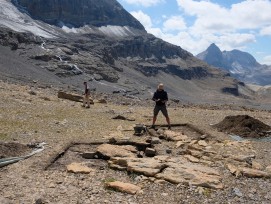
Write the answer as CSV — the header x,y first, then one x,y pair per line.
x,y
123,187
155,140
149,152
79,168
108,151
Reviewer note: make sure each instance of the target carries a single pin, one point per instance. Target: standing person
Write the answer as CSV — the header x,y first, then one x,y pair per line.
x,y
160,97
86,95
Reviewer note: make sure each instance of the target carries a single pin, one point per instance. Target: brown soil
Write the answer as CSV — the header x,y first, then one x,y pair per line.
x,y
13,150
243,125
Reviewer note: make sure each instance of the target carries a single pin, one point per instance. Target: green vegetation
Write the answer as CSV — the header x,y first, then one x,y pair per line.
x,y
108,180
3,136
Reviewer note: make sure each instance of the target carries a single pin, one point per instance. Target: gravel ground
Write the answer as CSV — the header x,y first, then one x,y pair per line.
x,y
29,115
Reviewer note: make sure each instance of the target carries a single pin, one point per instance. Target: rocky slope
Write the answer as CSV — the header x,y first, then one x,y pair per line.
x,y
239,64
116,56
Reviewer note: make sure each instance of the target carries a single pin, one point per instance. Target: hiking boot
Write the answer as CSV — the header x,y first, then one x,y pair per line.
x,y
169,127
153,127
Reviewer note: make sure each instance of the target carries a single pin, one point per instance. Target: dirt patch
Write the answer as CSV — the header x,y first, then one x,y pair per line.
x,y
244,125
13,150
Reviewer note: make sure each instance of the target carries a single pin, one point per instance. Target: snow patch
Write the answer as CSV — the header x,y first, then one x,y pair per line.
x,y
117,31
69,30
111,31
12,18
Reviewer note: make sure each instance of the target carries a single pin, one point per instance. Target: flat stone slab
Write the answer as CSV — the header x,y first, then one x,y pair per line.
x,y
145,166
181,171
108,151
175,170
248,172
124,187
79,168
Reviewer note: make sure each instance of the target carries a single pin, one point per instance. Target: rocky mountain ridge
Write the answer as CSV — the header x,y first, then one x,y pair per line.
x,y
78,13
114,58
239,64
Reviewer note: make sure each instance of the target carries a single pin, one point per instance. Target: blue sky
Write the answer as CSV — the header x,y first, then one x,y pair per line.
x,y
195,24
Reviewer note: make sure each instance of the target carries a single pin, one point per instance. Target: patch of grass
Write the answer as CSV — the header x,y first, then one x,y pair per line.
x,y
207,192
108,180
3,136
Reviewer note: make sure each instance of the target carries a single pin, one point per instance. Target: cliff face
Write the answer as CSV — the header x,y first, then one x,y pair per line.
x,y
77,13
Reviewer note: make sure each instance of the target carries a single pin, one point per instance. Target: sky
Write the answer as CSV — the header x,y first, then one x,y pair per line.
x,y
195,24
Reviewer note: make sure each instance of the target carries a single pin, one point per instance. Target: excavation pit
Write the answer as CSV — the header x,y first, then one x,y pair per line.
x,y
150,144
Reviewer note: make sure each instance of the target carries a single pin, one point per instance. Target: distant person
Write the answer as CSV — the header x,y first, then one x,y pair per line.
x,y
161,98
86,100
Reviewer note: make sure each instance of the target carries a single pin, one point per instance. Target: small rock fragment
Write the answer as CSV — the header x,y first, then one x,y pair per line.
x,y
237,192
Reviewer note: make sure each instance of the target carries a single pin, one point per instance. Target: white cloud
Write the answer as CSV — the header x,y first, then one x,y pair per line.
x,y
266,31
143,18
145,3
212,17
267,60
230,28
175,23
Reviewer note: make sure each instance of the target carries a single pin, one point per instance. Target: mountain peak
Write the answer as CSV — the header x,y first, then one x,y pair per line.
x,y
212,55
240,64
213,47
78,13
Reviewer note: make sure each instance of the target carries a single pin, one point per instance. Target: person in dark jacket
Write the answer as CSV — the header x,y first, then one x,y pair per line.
x,y
160,97
86,99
